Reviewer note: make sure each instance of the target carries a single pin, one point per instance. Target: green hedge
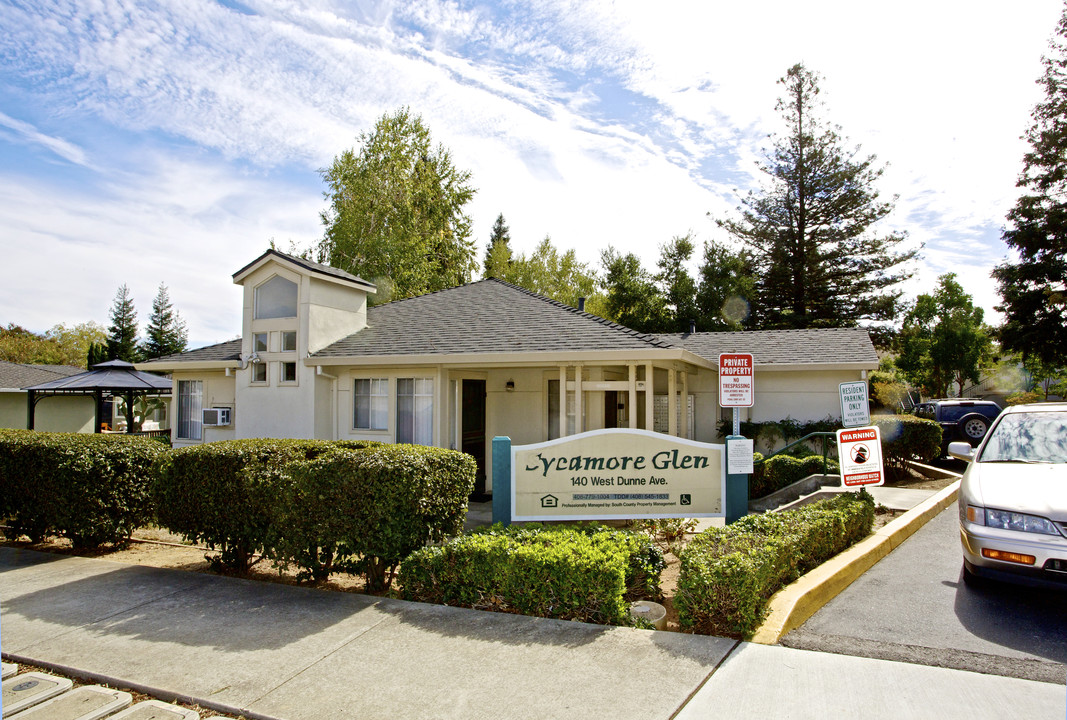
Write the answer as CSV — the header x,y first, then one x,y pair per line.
x,y
225,494
906,437
92,489
365,511
584,573
782,470
728,574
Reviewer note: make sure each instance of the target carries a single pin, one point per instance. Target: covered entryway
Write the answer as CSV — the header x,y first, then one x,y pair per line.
x,y
472,437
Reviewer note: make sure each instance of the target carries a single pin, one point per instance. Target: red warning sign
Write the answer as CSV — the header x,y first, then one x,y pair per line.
x,y
736,380
860,453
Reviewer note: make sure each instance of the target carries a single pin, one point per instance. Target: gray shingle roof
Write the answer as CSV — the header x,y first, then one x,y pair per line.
x,y
784,347
309,265
19,375
488,316
229,350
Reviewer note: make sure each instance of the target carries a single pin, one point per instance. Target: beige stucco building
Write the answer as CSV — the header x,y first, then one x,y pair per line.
x,y
54,414
457,367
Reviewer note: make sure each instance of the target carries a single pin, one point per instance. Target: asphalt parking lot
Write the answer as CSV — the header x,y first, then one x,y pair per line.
x,y
914,607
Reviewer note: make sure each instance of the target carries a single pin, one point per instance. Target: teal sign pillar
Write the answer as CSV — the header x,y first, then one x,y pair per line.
x,y
736,502
502,480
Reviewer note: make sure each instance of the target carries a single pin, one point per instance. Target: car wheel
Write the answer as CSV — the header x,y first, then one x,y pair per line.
x,y
974,426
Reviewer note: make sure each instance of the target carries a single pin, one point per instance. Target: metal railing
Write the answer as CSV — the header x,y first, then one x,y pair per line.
x,y
823,435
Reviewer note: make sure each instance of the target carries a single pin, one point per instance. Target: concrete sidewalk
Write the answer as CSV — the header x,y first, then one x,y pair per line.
x,y
276,651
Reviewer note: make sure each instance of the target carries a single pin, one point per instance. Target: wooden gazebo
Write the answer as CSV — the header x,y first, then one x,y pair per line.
x,y
112,379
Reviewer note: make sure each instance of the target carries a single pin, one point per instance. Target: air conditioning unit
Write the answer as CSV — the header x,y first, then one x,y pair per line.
x,y
215,417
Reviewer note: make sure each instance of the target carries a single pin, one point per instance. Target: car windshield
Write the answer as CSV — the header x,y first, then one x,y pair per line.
x,y
1028,437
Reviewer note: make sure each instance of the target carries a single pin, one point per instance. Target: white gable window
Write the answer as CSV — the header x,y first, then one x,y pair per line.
x,y
190,405
414,410
276,298
372,404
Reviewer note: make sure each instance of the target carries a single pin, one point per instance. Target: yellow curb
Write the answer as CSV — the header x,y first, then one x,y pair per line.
x,y
791,606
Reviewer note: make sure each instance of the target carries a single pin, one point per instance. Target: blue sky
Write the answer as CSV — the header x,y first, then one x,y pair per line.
x,y
149,142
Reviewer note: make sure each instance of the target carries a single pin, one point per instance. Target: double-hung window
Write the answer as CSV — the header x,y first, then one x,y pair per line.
x,y
372,404
414,411
190,405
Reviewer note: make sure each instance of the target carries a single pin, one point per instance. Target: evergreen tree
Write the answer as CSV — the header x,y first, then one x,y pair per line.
x,y
396,210
818,263
726,296
679,288
498,251
97,353
166,333
1034,288
633,299
122,335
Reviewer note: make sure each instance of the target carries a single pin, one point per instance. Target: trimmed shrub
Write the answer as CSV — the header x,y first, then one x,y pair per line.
x,y
906,437
728,574
365,511
782,470
92,489
225,494
585,573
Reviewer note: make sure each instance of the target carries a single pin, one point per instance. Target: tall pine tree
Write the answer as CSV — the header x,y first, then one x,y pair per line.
x,y
122,335
1034,288
817,260
498,252
166,333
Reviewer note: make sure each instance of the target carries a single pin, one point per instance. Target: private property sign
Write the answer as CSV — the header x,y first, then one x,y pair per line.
x,y
860,453
736,380
617,475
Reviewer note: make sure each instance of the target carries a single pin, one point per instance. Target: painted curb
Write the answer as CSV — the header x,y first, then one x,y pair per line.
x,y
791,606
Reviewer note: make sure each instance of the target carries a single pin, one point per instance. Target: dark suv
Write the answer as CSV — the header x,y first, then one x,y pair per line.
x,y
966,420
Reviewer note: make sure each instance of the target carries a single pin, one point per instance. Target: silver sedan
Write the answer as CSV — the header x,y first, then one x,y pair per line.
x,y
1013,498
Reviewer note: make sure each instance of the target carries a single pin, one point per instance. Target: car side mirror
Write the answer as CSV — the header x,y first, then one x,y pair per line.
x,y
961,451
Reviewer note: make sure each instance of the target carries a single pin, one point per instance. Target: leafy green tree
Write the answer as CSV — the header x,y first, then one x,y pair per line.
x,y
633,299
122,335
677,285
818,262
62,345
558,276
75,340
944,340
1033,288
726,296
396,210
498,251
166,333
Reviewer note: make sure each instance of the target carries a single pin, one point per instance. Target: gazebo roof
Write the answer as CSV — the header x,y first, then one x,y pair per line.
x,y
116,376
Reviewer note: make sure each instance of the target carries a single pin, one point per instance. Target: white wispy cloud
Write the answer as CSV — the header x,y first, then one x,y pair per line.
x,y
64,149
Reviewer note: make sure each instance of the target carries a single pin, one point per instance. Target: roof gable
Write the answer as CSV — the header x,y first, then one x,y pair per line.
x,y
307,266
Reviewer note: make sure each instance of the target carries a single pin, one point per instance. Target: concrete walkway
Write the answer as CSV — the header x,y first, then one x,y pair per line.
x,y
276,651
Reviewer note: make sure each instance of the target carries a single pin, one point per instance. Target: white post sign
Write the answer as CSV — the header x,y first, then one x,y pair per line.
x,y
736,380
616,475
855,410
860,453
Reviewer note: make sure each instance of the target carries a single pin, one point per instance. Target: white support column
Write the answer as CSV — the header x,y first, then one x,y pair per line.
x,y
578,426
649,393
563,401
683,431
632,407
672,402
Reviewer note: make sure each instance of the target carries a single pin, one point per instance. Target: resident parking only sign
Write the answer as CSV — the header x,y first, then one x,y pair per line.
x,y
860,453
736,380
855,411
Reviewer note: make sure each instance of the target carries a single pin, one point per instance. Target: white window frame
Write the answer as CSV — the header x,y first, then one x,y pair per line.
x,y
256,370
421,410
256,348
190,407
263,313
377,399
286,334
281,372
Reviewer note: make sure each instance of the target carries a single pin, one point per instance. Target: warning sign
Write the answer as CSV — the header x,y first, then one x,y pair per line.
x,y
736,380
860,453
